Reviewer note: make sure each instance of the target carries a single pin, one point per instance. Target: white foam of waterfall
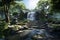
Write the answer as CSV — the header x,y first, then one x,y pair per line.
x,y
31,16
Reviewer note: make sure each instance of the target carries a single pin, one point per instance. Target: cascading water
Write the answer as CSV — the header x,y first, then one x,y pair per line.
x,y
31,16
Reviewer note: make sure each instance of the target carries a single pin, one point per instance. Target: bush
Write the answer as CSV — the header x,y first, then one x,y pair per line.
x,y
3,26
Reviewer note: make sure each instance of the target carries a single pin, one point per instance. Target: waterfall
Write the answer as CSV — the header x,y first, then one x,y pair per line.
x,y
31,16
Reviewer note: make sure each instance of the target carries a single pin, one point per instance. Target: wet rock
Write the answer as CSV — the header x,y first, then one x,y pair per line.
x,y
37,34
33,34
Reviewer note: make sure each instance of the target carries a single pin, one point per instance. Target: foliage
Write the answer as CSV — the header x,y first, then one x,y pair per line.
x,y
55,5
6,4
15,13
22,5
3,26
1,4
43,6
42,3
18,7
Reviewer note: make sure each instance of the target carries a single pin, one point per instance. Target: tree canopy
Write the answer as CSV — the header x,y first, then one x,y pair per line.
x,y
17,7
55,5
6,6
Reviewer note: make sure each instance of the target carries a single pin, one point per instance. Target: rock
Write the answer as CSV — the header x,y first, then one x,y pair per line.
x,y
36,34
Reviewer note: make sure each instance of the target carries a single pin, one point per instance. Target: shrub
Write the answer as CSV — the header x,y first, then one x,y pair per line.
x,y
3,26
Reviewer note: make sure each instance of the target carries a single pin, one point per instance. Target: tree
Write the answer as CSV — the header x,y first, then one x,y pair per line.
x,y
43,7
18,8
55,5
6,5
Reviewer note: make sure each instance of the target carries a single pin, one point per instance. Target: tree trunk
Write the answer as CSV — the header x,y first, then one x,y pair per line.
x,y
6,13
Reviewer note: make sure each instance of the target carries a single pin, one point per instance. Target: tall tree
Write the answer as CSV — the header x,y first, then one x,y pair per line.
x,y
6,5
43,6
